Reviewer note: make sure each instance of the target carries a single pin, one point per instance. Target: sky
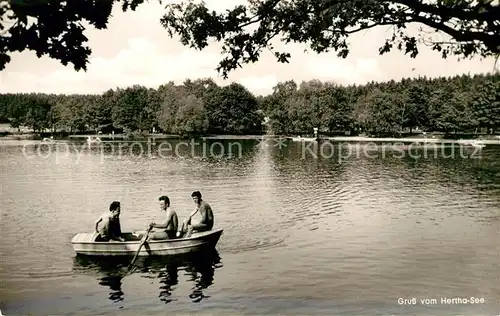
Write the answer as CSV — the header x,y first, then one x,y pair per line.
x,y
136,49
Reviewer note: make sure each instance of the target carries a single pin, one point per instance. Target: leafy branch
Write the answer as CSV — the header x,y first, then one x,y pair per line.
x,y
327,24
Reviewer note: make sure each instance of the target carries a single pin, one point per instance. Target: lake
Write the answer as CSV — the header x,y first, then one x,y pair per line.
x,y
309,229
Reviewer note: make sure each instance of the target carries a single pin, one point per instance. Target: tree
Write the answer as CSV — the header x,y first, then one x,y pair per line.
x,y
384,113
473,26
340,108
191,117
232,109
55,28
455,114
37,114
486,104
165,116
414,104
131,110
276,109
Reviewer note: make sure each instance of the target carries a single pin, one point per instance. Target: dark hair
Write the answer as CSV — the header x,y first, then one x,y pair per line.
x,y
164,198
114,205
196,193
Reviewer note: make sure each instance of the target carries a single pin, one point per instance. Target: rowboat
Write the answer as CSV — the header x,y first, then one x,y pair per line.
x,y
473,143
477,144
86,244
302,139
93,140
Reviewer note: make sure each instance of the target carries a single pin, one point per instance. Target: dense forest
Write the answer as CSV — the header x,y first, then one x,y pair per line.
x,y
450,105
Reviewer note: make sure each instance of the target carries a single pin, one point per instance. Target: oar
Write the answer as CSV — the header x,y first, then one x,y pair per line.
x,y
140,246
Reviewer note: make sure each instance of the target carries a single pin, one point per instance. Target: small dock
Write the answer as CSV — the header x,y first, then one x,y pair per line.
x,y
428,140
122,136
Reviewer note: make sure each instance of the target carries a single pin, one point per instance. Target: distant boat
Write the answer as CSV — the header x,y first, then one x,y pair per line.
x,y
93,140
49,140
85,244
421,145
305,139
473,143
478,144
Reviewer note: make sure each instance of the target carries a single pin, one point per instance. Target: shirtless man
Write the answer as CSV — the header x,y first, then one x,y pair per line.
x,y
206,221
110,228
169,225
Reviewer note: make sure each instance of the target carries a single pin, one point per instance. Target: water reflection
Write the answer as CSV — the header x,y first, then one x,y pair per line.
x,y
202,274
110,271
199,269
168,278
436,218
115,285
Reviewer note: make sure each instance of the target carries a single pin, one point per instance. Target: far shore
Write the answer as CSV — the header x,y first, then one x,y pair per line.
x,y
419,138
490,141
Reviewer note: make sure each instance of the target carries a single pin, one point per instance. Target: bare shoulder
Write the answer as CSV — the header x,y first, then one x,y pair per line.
x,y
205,205
105,217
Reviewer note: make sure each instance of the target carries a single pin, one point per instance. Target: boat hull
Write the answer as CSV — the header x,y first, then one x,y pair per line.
x,y
303,139
85,244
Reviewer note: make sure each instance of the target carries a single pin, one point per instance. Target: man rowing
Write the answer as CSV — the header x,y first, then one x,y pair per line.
x,y
205,217
169,225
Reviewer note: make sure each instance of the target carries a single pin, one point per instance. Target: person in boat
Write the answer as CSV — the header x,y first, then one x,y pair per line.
x,y
205,219
169,225
110,228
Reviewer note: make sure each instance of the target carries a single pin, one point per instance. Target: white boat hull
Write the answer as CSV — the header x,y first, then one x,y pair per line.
x,y
474,143
303,139
85,244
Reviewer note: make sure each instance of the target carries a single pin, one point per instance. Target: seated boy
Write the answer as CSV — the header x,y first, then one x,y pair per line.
x,y
110,228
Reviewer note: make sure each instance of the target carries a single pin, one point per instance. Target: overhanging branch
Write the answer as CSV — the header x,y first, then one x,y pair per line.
x,y
491,41
464,13
3,32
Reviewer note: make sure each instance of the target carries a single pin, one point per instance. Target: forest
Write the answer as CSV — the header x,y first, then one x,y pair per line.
x,y
460,104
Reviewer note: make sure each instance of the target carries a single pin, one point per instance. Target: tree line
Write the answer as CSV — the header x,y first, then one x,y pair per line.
x,y
455,104
193,108
449,105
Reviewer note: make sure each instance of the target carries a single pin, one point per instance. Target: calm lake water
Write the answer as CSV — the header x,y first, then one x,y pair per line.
x,y
307,229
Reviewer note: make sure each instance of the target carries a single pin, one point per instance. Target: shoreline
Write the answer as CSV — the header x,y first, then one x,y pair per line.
x,y
359,139
489,139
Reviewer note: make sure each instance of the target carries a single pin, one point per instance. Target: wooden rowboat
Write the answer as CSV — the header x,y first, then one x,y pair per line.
x,y
85,244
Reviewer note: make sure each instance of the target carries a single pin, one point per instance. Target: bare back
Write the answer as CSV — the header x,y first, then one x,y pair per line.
x,y
104,227
172,220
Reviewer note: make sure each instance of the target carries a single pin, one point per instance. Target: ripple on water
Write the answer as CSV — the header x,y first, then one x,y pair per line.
x,y
318,228
33,275
251,244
